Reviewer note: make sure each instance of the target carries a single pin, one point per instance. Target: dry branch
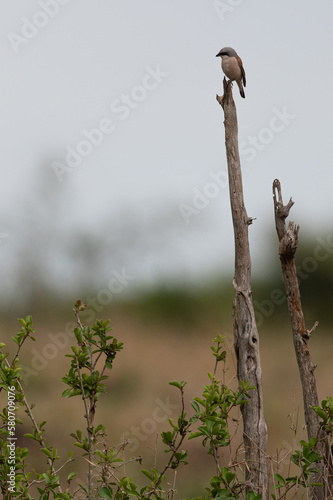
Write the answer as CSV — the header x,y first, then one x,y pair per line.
x,y
288,238
246,336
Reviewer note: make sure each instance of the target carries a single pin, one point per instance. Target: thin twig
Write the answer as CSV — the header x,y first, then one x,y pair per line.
x,y
41,440
174,450
173,489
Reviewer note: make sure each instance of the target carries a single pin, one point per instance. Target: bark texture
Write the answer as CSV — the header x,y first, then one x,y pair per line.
x,y
246,336
288,238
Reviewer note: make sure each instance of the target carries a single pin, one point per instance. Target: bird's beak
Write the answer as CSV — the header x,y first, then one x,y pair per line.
x,y
217,55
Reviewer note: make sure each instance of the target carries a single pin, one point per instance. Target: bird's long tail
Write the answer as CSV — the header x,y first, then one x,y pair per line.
x,y
241,89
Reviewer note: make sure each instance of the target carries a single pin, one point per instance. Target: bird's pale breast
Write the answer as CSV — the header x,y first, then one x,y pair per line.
x,y
231,68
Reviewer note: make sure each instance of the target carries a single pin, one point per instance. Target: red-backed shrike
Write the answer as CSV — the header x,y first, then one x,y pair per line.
x,y
232,67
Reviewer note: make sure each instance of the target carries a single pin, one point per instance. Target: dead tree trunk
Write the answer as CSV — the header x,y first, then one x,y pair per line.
x,y
246,336
288,245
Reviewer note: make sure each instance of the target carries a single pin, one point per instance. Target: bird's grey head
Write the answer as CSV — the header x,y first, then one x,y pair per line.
x,y
227,51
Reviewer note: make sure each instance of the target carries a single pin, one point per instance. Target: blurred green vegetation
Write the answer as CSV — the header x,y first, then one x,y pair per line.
x,y
192,303
184,306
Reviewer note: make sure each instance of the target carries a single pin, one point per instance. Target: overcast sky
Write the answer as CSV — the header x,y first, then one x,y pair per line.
x,y
110,126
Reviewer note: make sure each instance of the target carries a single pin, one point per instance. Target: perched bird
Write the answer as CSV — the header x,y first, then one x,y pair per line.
x,y
232,67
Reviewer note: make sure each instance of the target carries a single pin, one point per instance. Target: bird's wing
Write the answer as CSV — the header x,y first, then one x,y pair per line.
x,y
242,70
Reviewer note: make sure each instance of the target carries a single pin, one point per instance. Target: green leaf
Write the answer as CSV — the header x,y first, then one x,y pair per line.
x,y
280,479
322,414
105,492
78,335
180,385
312,442
204,431
330,404
46,477
83,487
28,435
47,452
199,400
148,474
252,496
167,437
67,393
175,383
194,435
313,457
